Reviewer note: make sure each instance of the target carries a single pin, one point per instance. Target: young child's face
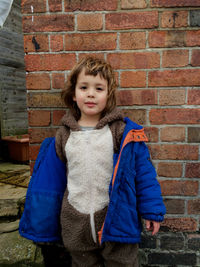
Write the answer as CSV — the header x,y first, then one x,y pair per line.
x,y
91,94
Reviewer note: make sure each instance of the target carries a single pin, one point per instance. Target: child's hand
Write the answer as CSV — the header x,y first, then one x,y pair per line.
x,y
152,226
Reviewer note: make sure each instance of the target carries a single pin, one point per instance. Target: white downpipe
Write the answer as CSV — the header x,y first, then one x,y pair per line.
x,y
5,6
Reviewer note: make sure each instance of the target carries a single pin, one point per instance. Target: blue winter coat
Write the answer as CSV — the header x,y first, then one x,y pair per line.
x,y
134,192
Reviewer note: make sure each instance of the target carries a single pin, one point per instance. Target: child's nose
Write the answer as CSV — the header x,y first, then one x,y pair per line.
x,y
91,92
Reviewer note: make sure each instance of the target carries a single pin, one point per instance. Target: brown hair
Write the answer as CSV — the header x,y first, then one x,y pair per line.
x,y
93,66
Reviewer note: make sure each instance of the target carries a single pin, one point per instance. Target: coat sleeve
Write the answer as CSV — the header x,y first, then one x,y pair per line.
x,y
149,199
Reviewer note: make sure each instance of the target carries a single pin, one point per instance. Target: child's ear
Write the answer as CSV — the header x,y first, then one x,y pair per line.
x,y
74,98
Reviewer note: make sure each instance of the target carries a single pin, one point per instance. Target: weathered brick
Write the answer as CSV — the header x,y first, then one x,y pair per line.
x,y
38,81
174,206
194,206
48,23
44,100
167,39
174,116
90,5
172,242
152,134
39,118
172,3
195,18
168,97
194,97
136,97
55,5
57,116
174,19
172,134
133,79
179,188
127,4
172,259
194,242
134,20
147,242
32,6
137,60
192,170
89,22
186,77
195,61
52,62
175,58
33,151
194,134
173,151
170,169
37,135
137,115
179,224
56,43
132,40
58,80
36,43
84,42
96,55
193,38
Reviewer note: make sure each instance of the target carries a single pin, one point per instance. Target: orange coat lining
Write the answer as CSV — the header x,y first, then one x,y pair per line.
x,y
132,136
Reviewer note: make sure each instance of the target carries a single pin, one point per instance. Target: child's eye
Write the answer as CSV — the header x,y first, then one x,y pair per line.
x,y
83,87
99,89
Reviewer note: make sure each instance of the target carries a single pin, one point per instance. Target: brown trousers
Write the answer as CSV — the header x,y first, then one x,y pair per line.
x,y
77,238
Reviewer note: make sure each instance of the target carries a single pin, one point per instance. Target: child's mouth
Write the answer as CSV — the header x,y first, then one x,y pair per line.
x,y
90,104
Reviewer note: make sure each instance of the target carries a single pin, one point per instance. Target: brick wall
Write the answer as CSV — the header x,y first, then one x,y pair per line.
x,y
154,47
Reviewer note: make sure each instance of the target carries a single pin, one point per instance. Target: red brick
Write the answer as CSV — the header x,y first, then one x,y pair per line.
x,y
55,5
90,5
89,22
172,134
180,224
37,135
133,79
56,43
179,188
175,206
192,170
134,20
152,134
194,206
170,169
33,152
58,80
193,38
194,97
195,58
193,135
38,81
137,97
39,117
83,42
96,55
174,19
52,62
175,58
127,4
173,151
171,97
57,116
48,23
174,116
167,39
138,60
132,40
32,6
137,115
36,43
44,100
173,3
186,77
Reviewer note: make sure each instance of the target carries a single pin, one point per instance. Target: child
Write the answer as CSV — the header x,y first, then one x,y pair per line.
x,y
100,215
